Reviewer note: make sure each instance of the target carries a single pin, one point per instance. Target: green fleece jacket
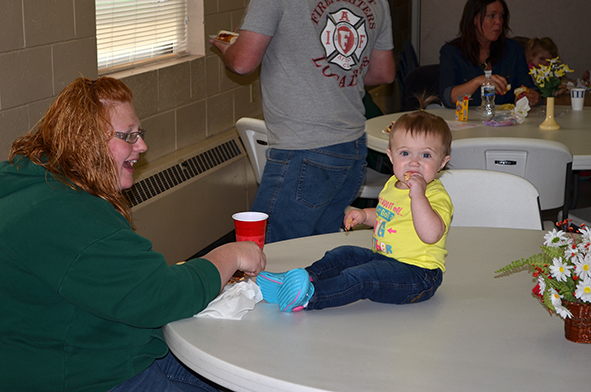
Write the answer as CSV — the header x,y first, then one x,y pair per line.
x,y
82,296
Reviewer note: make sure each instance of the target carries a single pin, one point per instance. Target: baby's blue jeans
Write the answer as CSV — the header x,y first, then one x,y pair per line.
x,y
349,273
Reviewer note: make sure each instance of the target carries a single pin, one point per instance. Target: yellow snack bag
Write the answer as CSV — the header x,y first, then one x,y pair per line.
x,y
462,108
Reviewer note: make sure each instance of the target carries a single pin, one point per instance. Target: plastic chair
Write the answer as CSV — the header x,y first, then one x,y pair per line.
x,y
546,164
253,133
486,198
408,61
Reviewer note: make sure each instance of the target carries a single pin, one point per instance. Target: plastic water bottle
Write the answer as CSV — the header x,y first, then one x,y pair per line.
x,y
487,93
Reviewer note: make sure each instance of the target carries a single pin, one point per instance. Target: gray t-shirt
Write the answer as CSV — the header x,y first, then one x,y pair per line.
x,y
312,72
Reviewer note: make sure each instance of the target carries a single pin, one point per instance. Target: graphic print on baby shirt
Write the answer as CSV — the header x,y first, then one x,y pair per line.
x,y
344,38
386,212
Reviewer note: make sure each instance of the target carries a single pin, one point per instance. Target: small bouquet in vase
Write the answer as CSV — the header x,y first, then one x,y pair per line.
x,y
548,78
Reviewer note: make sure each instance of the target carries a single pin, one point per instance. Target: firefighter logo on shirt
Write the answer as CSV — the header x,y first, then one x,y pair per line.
x,y
344,38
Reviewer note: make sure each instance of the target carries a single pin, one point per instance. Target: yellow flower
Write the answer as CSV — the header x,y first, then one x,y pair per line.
x,y
549,77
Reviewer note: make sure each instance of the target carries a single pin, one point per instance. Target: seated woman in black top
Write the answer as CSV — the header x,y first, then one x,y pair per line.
x,y
483,45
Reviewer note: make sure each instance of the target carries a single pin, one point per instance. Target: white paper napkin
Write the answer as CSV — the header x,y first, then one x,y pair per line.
x,y
521,109
234,301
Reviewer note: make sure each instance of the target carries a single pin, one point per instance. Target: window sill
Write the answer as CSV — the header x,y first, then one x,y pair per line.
x,y
139,69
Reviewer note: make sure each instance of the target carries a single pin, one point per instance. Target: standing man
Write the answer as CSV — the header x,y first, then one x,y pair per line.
x,y
316,57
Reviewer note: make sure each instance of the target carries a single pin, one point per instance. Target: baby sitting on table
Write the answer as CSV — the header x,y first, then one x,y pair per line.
x,y
406,261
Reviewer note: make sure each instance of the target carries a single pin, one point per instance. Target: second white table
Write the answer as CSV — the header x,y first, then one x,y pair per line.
x,y
575,130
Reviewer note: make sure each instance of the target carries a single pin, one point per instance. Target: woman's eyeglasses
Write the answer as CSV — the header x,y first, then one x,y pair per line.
x,y
130,137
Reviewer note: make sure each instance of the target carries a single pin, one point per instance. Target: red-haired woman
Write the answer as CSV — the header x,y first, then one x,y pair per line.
x,y
82,296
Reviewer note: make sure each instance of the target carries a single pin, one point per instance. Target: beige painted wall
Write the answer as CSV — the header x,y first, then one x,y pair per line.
x,y
566,22
45,44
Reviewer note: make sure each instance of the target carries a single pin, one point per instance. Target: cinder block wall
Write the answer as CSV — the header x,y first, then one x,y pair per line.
x,y
46,44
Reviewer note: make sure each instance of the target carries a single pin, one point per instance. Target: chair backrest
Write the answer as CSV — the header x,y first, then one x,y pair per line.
x,y
419,81
408,61
485,198
410,56
253,133
545,163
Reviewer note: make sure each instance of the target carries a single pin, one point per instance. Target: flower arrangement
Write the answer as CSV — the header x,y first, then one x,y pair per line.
x,y
548,78
563,269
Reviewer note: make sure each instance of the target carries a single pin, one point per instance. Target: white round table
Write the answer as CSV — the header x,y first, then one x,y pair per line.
x,y
478,333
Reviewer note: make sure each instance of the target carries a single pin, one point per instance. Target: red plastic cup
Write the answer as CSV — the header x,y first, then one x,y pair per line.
x,y
251,226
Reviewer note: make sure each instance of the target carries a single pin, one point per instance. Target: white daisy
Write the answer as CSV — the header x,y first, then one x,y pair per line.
x,y
555,298
556,238
572,252
541,284
583,266
583,291
585,234
584,247
563,312
560,270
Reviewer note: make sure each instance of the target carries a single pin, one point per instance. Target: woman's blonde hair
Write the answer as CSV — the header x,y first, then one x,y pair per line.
x,y
71,141
536,45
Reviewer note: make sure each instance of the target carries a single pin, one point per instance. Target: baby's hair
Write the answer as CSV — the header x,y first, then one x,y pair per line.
x,y
535,45
424,123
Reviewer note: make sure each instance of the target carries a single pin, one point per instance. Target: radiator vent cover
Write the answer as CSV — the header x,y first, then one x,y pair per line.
x,y
175,175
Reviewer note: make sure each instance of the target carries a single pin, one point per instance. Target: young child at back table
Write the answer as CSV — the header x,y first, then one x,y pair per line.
x,y
539,51
406,261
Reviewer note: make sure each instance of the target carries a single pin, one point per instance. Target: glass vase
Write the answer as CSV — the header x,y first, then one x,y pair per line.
x,y
550,123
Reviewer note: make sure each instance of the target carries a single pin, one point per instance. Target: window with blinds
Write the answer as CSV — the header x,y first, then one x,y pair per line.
x,y
137,31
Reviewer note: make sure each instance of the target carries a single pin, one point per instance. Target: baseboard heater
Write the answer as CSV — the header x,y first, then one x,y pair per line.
x,y
185,201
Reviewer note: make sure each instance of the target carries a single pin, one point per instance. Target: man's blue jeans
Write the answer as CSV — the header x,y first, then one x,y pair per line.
x,y
165,375
305,192
349,273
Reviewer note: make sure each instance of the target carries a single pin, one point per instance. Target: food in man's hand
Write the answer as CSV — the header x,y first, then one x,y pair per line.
x,y
226,36
520,92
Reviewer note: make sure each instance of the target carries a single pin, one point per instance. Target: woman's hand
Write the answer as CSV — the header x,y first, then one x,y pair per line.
x,y
251,259
500,84
244,256
533,97
473,86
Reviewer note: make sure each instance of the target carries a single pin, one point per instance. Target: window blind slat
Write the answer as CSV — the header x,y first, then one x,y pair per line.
x,y
133,30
